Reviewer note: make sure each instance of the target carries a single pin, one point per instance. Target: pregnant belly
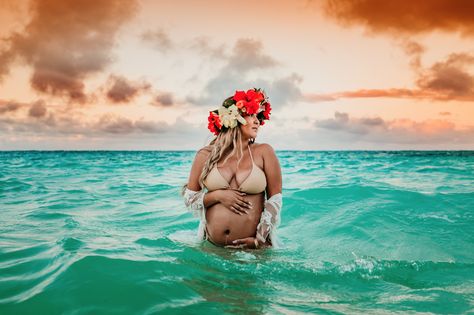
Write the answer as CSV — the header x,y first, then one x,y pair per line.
x,y
224,225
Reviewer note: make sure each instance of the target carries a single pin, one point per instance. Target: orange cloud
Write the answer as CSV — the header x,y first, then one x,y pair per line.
x,y
443,81
9,106
110,123
202,44
41,122
385,93
159,39
248,54
415,51
38,109
450,77
406,17
163,99
121,90
400,130
371,93
67,41
6,57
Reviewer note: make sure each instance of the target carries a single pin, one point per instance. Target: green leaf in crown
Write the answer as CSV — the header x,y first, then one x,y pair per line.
x,y
228,102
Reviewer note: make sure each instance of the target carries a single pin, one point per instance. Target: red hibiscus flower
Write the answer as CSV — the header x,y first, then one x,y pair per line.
x,y
240,96
252,107
214,124
255,95
248,96
266,112
249,102
251,94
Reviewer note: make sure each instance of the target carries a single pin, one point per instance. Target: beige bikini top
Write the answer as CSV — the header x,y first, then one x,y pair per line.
x,y
255,182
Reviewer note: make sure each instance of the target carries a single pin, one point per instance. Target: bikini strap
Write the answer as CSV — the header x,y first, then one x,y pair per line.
x,y
250,151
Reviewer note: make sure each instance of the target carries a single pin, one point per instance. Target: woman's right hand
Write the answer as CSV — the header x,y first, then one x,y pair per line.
x,y
234,200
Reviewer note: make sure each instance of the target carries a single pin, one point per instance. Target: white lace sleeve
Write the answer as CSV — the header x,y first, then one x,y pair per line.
x,y
194,201
270,220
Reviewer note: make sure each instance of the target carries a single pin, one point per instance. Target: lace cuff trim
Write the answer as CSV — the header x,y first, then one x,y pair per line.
x,y
194,201
270,218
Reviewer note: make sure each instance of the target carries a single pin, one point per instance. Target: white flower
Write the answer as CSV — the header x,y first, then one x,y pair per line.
x,y
229,116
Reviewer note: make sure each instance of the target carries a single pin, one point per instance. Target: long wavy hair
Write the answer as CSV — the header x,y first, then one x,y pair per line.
x,y
227,140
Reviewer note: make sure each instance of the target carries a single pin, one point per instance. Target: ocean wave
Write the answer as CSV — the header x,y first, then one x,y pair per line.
x,y
108,232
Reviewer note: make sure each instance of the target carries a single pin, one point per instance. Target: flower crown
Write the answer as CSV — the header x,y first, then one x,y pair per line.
x,y
254,101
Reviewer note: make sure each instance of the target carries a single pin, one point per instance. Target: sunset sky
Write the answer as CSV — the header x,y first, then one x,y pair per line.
x,y
143,75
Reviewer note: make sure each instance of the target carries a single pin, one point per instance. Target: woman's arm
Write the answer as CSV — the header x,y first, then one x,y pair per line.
x,y
195,197
272,169
270,218
196,169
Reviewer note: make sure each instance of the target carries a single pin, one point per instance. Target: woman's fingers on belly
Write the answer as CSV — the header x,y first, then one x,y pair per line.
x,y
244,203
239,209
236,209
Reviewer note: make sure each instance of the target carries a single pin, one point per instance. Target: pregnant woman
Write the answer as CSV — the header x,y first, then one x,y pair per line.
x,y
235,184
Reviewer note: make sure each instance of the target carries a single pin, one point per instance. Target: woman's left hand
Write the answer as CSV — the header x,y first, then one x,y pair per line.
x,y
248,242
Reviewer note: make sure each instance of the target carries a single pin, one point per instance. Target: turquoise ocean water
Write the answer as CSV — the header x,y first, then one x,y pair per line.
x,y
379,232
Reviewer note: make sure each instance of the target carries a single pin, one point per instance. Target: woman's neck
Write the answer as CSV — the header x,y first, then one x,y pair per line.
x,y
244,142
228,150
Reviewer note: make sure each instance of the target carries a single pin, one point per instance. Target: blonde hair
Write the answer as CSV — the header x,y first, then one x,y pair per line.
x,y
230,139
226,139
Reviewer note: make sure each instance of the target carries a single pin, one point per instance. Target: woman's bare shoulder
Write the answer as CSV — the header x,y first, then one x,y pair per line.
x,y
205,151
200,159
264,148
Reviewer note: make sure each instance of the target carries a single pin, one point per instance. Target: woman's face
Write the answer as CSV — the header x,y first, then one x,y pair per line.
x,y
251,128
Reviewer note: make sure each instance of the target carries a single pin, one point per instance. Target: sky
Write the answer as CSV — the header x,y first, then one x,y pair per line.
x,y
143,75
